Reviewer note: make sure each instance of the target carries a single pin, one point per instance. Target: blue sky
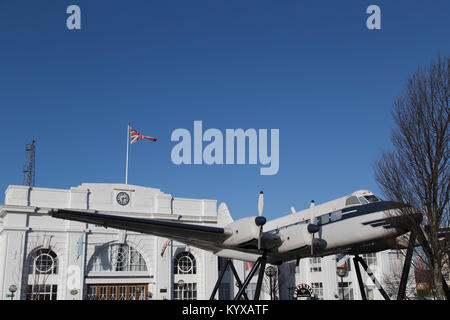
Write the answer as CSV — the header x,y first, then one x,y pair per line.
x,y
308,68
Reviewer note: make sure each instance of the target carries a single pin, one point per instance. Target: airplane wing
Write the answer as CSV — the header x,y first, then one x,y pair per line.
x,y
204,237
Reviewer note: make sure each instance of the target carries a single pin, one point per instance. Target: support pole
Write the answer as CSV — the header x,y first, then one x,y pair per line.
x,y
406,267
358,274
128,144
260,277
236,276
372,276
229,262
219,280
247,280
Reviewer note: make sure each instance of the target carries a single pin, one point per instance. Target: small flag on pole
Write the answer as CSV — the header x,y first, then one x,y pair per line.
x,y
132,137
136,136
164,247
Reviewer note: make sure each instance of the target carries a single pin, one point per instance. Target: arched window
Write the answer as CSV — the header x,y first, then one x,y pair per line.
x,y
118,257
43,261
40,283
184,264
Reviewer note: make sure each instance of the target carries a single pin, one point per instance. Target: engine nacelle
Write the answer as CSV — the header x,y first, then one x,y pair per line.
x,y
242,230
294,237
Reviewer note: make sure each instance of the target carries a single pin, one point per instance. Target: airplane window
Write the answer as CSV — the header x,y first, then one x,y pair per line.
x,y
363,200
324,219
336,215
352,200
371,198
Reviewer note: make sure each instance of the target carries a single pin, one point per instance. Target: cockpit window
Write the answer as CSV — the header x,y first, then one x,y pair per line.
x,y
352,200
371,198
363,200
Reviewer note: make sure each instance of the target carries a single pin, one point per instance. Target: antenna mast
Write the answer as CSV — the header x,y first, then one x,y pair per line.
x,y
29,169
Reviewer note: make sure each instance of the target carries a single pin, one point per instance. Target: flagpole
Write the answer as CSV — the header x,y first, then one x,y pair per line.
x,y
128,144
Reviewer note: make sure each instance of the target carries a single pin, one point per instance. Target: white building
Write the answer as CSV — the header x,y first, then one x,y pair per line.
x,y
47,258
321,275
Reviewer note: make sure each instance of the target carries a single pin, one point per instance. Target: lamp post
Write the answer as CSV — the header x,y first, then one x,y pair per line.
x,y
341,272
270,272
12,289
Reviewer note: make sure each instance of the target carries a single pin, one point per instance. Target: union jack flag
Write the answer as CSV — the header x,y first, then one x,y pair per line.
x,y
164,247
136,136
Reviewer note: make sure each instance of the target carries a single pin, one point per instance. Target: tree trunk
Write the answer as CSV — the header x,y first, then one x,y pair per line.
x,y
437,280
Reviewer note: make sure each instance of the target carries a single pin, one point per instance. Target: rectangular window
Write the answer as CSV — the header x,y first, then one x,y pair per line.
x,y
92,293
370,259
42,292
323,219
315,265
132,293
102,293
348,290
317,288
112,293
337,215
122,293
185,291
141,291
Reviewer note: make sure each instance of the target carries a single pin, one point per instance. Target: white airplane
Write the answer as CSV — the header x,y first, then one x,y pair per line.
x,y
355,224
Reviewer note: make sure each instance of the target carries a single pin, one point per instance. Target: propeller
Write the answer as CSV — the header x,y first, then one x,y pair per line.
x,y
313,228
260,221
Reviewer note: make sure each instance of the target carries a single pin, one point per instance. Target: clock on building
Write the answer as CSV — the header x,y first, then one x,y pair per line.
x,y
123,198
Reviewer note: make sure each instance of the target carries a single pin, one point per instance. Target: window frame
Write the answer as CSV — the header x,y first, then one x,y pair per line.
x,y
186,259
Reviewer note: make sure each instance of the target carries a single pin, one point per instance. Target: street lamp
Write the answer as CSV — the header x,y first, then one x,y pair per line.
x,y
12,289
270,272
341,272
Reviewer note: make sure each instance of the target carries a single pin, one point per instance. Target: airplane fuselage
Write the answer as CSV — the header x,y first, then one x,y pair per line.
x,y
344,227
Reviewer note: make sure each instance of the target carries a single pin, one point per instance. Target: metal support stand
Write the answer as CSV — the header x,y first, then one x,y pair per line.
x,y
261,262
357,260
229,262
406,267
360,282
260,277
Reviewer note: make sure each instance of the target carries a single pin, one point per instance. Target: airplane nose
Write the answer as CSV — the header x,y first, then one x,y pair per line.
x,y
402,216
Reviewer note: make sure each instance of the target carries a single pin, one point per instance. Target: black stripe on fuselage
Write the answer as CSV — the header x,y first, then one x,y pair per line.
x,y
355,211
369,208
361,210
379,223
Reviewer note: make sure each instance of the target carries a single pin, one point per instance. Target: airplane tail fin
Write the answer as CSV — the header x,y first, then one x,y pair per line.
x,y
223,215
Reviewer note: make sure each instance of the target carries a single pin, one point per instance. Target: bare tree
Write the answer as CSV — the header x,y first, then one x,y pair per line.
x,y
391,281
416,172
